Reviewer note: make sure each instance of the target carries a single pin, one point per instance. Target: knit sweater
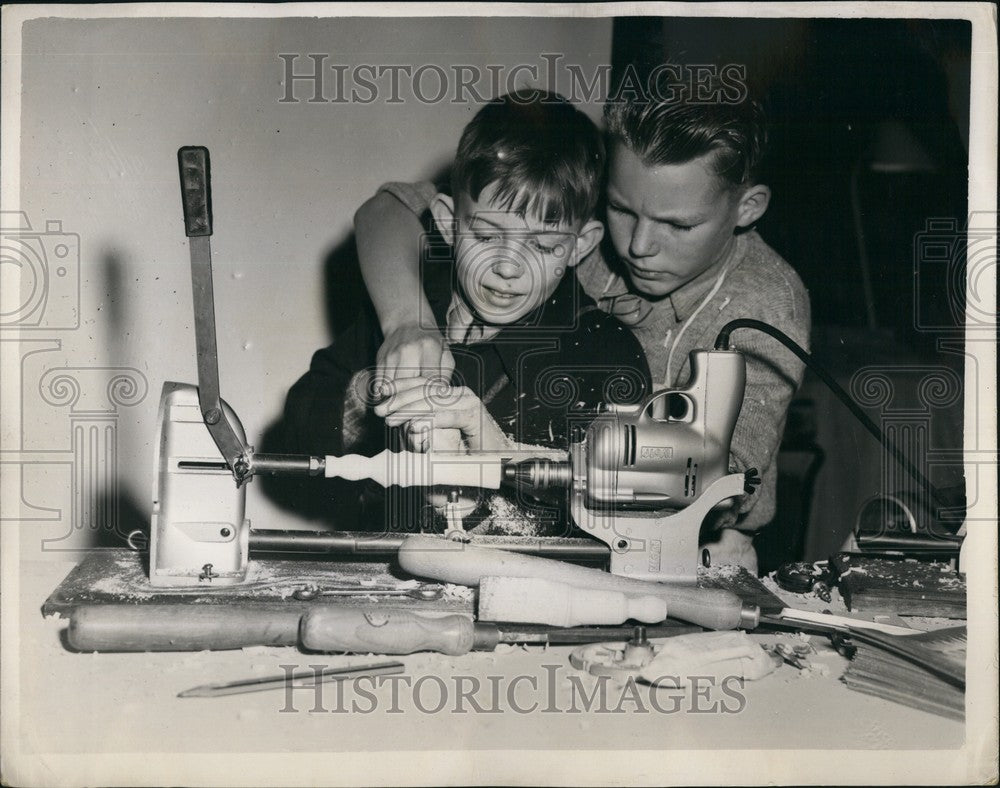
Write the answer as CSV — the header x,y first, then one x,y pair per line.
x,y
755,283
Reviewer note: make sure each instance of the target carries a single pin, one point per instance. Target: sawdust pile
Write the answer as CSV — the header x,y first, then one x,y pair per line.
x,y
505,517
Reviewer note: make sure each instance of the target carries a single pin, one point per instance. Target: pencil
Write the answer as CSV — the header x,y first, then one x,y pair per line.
x,y
299,679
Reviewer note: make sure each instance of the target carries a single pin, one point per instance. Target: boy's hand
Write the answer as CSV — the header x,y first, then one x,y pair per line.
x,y
422,400
421,437
413,351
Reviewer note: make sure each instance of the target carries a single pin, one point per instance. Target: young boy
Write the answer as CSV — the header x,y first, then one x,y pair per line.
x,y
529,348
683,196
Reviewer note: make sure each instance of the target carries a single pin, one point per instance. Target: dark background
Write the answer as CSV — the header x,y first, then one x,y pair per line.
x,y
868,165
882,103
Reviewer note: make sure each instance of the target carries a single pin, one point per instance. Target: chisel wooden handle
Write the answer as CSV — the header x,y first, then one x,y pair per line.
x,y
455,562
360,631
179,627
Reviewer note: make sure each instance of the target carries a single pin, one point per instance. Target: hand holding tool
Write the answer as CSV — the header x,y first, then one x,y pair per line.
x,y
642,479
199,534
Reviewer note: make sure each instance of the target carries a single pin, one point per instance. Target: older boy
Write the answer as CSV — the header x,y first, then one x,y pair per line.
x,y
683,195
498,281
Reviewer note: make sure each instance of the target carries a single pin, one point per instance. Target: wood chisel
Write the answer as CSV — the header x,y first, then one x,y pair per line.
x,y
405,632
323,628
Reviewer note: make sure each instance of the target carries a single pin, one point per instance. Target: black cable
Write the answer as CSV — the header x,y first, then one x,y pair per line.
x,y
722,343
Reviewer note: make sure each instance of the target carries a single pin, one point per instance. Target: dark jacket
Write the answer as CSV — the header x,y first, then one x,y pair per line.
x,y
537,378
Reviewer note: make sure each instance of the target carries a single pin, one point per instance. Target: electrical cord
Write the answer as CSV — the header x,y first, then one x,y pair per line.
x,y
722,343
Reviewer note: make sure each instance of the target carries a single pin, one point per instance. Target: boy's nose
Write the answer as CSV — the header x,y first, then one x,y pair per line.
x,y
507,269
643,243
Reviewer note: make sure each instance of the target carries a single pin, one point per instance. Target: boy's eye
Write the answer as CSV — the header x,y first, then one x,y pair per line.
x,y
485,238
540,247
680,226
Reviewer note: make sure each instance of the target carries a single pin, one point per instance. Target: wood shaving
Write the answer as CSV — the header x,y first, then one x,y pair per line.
x,y
723,571
458,593
508,518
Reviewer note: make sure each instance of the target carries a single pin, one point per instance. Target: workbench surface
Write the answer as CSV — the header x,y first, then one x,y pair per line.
x,y
72,703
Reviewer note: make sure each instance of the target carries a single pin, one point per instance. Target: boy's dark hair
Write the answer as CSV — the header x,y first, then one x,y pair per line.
x,y
544,155
675,132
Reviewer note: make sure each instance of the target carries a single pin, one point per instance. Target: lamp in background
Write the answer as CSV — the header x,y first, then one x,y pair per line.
x,y
893,150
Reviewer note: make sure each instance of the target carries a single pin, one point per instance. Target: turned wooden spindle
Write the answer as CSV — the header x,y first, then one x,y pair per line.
x,y
410,469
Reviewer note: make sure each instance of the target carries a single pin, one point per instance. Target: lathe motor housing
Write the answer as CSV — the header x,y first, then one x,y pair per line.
x,y
664,453
198,532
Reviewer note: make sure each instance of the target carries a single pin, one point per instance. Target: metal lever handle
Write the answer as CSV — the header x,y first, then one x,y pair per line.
x,y
196,190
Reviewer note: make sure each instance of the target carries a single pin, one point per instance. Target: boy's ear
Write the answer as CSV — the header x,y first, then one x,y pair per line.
x,y
590,235
752,205
443,211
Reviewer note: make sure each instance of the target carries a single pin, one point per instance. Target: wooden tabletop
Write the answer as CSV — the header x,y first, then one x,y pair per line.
x,y
513,699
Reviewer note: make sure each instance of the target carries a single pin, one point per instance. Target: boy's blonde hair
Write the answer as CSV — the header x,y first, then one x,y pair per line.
x,y
676,132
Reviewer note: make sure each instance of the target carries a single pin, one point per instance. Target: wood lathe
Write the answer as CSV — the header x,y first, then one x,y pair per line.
x,y
640,480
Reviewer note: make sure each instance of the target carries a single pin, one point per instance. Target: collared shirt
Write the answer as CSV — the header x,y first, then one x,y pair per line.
x,y
659,322
462,327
